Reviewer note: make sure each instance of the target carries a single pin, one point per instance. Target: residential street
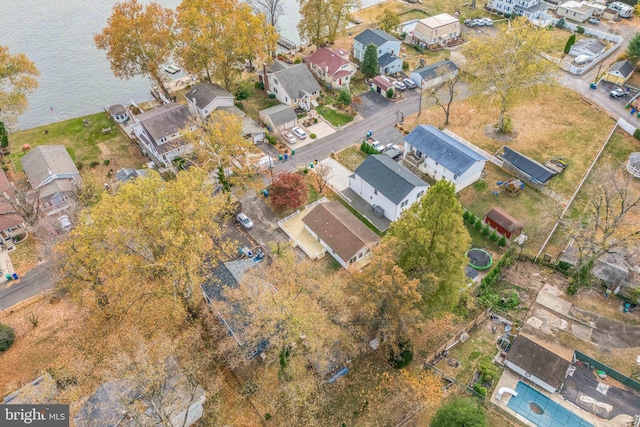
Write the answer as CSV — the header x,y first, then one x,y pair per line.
x,y
34,282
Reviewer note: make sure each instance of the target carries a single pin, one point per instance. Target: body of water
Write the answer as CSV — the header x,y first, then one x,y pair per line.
x,y
75,76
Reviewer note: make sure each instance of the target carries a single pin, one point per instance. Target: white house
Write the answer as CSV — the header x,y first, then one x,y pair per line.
x,y
387,186
119,113
436,30
588,47
204,98
388,47
341,233
575,11
440,156
434,74
159,132
531,9
293,85
332,67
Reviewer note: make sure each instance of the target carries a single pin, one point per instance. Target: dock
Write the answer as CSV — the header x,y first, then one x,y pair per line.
x,y
287,44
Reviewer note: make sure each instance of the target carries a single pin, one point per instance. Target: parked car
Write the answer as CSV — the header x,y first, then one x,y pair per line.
x,y
617,93
409,83
487,21
245,221
582,59
470,23
394,147
288,137
65,222
594,21
399,85
479,22
299,132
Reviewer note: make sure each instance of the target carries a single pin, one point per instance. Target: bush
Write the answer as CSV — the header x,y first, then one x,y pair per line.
x,y
570,42
272,95
405,66
367,148
313,136
494,237
502,242
478,224
480,389
487,373
472,219
272,139
305,170
507,125
79,165
344,97
297,61
242,93
403,356
485,231
315,120
636,133
7,337
480,185
465,216
259,85
390,93
106,162
460,412
579,29
94,163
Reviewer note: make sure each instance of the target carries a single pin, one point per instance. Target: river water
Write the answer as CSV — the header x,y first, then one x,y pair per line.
x,y
75,76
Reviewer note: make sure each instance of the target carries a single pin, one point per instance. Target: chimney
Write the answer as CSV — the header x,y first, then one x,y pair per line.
x,y
265,78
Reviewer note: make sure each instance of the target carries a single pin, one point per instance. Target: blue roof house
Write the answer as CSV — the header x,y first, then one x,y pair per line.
x,y
388,46
440,156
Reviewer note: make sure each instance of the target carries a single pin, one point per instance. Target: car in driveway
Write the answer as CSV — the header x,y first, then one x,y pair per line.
x,y
65,222
245,221
594,21
399,85
409,83
299,132
617,93
470,23
487,21
288,137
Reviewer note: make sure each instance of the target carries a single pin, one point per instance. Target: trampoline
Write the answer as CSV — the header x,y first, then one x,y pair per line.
x,y
479,258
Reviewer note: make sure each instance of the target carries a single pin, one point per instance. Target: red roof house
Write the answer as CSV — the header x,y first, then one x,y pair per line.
x,y
503,223
332,67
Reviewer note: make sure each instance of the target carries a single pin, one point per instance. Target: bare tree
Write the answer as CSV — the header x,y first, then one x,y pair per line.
x,y
24,204
272,9
449,85
322,174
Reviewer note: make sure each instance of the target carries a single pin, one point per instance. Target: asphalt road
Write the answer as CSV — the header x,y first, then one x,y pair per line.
x,y
34,282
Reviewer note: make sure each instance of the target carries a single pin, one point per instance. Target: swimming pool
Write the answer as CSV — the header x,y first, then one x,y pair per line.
x,y
409,26
541,410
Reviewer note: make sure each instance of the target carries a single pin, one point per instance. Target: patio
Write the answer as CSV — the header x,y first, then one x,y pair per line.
x,y
298,236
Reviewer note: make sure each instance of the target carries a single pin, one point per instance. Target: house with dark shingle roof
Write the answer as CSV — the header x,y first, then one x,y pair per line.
x,y
332,67
342,234
204,98
53,176
386,185
434,74
293,85
388,49
279,117
588,47
440,156
160,130
619,72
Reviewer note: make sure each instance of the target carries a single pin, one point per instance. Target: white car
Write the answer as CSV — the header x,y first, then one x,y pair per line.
x,y
409,83
288,137
399,85
487,21
65,222
299,132
245,221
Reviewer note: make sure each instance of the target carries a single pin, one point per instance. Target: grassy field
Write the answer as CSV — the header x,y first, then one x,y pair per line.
x,y
85,144
336,118
350,157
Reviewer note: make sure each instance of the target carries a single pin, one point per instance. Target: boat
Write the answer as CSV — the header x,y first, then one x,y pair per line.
x,y
172,69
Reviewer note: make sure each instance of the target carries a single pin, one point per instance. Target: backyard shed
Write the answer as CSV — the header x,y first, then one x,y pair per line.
x,y
619,72
527,167
381,84
503,223
542,367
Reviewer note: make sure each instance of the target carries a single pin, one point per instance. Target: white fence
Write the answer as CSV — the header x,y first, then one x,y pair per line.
x,y
292,239
490,157
616,39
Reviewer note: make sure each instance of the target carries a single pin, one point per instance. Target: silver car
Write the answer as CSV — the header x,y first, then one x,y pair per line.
x,y
288,137
299,132
245,221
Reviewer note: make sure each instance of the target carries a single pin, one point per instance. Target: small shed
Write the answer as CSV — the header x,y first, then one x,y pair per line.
x,y
503,223
119,113
619,72
381,84
527,167
279,117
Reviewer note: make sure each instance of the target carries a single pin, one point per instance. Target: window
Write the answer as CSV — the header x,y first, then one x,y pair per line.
x,y
403,204
375,191
275,81
455,177
420,194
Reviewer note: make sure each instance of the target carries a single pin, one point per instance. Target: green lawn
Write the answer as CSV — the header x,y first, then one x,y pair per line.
x,y
258,100
334,117
412,14
350,157
84,143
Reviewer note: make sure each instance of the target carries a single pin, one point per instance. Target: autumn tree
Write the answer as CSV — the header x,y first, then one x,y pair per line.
x,y
385,301
139,255
509,64
220,149
17,80
322,173
271,9
288,190
448,87
138,40
216,38
387,20
431,240
369,66
313,25
633,50
460,412
339,13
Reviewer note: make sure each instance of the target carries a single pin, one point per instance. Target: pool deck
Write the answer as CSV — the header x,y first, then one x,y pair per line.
x,y
510,379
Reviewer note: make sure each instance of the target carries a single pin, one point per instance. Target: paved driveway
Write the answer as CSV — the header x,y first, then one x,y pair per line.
x,y
372,102
265,223
32,283
338,178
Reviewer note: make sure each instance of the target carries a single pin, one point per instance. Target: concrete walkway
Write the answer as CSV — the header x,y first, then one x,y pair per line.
x,y
365,209
338,178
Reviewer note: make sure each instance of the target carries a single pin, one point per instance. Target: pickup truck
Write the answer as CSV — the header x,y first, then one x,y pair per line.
x,y
375,144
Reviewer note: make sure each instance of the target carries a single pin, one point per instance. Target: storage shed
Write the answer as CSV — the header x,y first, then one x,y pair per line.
x,y
619,72
503,223
527,167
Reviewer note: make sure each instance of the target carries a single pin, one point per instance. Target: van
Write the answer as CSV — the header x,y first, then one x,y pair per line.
x,y
582,59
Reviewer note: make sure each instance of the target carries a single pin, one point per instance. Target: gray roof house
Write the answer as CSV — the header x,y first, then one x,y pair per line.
x,y
159,132
440,156
588,47
619,72
279,117
293,85
387,186
434,74
388,49
54,176
204,98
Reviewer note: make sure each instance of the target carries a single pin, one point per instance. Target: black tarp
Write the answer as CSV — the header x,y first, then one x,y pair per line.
x,y
529,167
